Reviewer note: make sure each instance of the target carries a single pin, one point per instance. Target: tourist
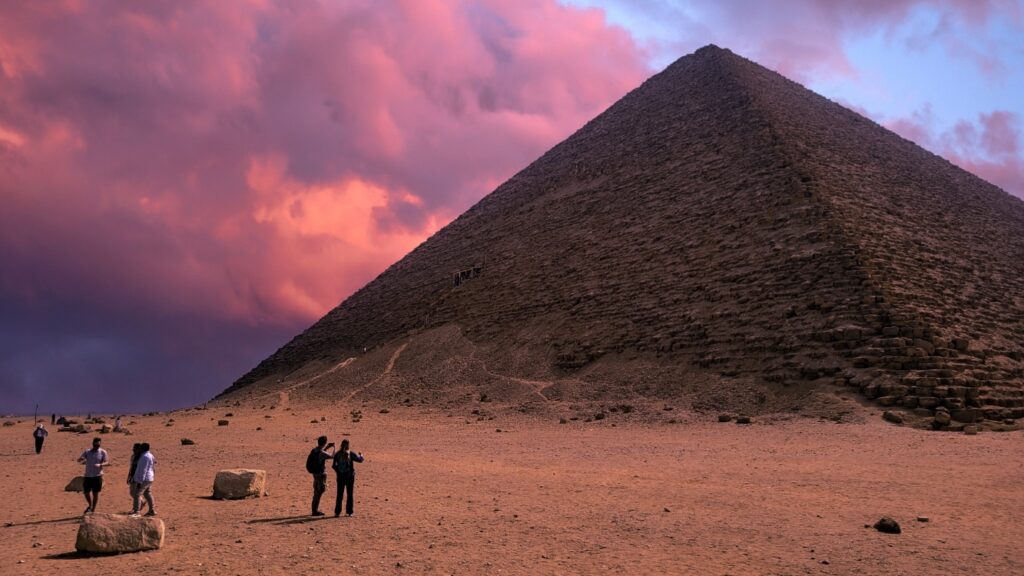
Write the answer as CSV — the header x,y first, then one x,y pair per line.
x,y
117,424
316,465
142,481
40,434
95,461
53,419
136,452
345,469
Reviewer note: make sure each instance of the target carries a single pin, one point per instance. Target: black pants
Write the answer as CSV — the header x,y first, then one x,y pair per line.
x,y
39,444
319,487
344,483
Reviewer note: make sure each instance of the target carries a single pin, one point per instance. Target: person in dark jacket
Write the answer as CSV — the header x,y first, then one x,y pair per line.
x,y
316,464
39,434
344,467
136,452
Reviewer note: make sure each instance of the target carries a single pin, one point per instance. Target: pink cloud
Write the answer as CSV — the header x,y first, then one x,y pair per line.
x,y
805,39
989,146
252,163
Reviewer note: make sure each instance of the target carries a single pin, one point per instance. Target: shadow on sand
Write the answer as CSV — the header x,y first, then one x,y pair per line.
x,y
69,519
288,519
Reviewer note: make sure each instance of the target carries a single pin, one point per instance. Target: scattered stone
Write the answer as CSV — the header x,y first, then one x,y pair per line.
x,y
563,421
8,423
77,484
922,518
116,534
971,430
600,416
724,418
666,509
223,422
887,525
384,410
187,442
743,419
942,418
893,417
239,483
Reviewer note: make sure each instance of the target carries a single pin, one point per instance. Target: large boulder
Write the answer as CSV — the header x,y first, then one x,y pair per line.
x,y
239,483
117,533
77,484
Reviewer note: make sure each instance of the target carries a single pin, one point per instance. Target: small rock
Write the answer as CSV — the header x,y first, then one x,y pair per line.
x,y
666,509
893,417
743,419
187,442
223,422
971,430
239,483
724,418
563,421
887,525
922,518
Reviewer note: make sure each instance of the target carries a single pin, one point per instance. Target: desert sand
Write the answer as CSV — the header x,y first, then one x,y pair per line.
x,y
446,493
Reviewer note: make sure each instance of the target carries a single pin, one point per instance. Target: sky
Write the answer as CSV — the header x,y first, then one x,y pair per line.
x,y
185,185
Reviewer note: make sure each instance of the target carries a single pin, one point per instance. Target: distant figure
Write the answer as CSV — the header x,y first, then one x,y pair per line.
x,y
53,419
39,434
136,452
316,465
117,424
142,481
345,469
62,421
95,461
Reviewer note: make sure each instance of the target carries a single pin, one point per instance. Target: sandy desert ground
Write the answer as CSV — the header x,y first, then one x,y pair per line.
x,y
448,494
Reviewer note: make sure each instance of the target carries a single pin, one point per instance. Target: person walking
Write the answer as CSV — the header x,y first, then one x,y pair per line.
x,y
95,460
40,435
344,467
53,419
142,481
316,464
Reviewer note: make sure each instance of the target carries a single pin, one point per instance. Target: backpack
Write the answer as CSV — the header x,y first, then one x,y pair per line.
x,y
313,462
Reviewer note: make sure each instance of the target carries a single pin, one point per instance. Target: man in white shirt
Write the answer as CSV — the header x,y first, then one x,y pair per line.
x,y
142,482
95,461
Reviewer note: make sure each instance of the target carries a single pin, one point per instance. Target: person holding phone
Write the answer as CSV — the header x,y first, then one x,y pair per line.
x,y
316,465
344,467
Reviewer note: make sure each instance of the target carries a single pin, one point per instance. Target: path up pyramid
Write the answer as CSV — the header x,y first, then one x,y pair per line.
x,y
720,234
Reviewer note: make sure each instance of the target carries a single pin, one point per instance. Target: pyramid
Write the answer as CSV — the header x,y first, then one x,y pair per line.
x,y
721,234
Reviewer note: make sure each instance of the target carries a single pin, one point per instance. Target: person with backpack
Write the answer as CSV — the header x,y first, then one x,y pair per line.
x,y
344,467
316,465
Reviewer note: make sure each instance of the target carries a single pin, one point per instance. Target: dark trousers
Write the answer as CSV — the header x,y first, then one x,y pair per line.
x,y
344,483
319,487
39,444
